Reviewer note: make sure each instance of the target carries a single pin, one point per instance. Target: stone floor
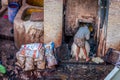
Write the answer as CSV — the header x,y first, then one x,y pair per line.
x,y
64,71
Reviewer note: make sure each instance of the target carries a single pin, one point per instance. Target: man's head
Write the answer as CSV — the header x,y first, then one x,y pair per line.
x,y
82,24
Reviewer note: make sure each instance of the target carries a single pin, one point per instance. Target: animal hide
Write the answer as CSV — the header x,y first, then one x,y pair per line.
x,y
81,53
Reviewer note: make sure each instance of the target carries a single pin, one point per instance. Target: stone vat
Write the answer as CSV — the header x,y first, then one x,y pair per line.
x,y
25,30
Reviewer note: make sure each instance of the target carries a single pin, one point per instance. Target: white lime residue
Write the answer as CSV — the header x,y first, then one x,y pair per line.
x,y
30,24
97,60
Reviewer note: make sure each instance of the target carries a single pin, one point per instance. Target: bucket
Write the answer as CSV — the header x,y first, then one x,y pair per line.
x,y
12,11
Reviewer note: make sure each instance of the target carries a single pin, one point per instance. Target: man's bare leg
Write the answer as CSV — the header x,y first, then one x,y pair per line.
x,y
77,53
85,53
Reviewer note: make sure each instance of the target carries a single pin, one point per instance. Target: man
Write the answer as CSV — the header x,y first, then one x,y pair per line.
x,y
81,36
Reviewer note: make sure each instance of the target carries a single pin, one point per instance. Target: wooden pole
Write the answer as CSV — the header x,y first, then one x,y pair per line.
x,y
98,29
103,32
106,25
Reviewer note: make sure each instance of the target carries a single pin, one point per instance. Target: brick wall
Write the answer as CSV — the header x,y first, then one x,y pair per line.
x,y
113,31
84,10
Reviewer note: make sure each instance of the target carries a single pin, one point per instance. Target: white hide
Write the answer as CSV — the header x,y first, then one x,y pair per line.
x,y
81,54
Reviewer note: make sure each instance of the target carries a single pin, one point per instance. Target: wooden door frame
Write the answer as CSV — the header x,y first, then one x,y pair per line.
x,y
102,29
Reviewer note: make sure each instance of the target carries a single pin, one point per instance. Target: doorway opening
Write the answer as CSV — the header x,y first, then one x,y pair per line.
x,y
92,12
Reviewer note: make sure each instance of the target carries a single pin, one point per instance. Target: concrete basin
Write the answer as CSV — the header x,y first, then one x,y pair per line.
x,y
27,13
25,30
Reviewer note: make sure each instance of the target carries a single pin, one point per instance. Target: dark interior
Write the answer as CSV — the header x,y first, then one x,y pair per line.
x,y
93,35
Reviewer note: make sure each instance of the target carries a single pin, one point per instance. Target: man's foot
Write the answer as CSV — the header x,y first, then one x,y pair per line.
x,y
76,58
87,59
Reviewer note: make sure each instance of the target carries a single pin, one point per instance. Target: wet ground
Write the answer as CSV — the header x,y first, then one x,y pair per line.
x,y
66,70
5,27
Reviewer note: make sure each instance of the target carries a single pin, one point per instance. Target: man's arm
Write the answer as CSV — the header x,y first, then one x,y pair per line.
x,y
87,35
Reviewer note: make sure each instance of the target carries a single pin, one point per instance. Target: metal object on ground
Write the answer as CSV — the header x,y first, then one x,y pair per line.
x,y
114,74
112,56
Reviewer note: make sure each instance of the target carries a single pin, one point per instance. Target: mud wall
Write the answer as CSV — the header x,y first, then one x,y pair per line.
x,y
113,31
85,10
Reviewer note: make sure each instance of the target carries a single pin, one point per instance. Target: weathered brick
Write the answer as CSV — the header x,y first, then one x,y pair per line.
x,y
84,10
113,31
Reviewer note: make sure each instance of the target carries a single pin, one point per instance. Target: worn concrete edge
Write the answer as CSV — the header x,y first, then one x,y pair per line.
x,y
2,10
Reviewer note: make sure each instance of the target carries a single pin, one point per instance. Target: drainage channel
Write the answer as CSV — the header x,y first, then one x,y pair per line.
x,y
4,37
81,63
